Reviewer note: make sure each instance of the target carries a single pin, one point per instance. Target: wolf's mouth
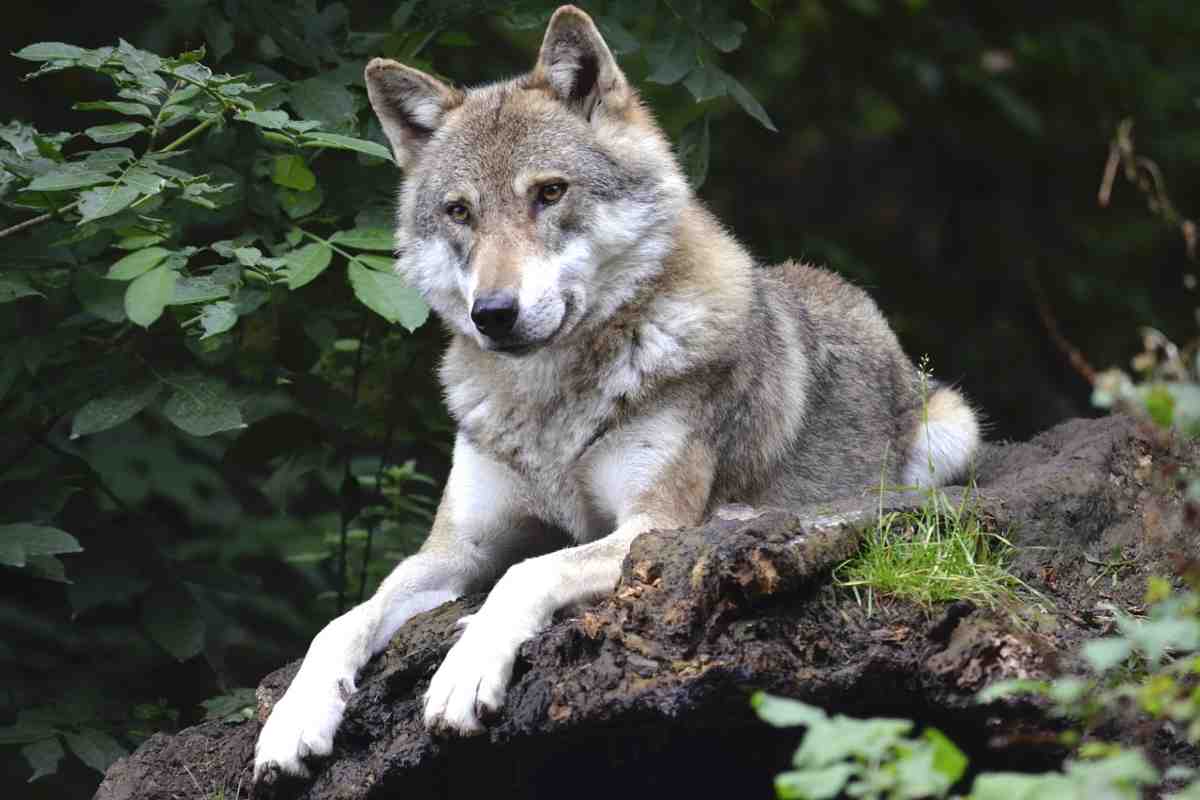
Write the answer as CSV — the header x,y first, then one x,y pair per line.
x,y
517,349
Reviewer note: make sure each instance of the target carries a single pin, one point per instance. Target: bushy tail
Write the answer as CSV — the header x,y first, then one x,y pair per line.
x,y
947,436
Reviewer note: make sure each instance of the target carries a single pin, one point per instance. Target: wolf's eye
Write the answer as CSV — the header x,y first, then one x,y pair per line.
x,y
458,212
551,193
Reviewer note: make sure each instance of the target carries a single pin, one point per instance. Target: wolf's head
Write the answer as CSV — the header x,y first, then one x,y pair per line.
x,y
532,207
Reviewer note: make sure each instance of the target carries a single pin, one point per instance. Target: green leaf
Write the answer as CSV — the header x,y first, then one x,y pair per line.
x,y
814,784
238,703
100,297
24,539
380,263
724,33
247,256
116,132
99,203
108,159
947,758
783,712
845,737
26,729
48,568
50,51
204,288
114,407
748,103
1104,654
671,60
138,241
366,239
95,748
126,108
217,318
137,263
1010,688
14,287
271,120
149,294
389,296
706,82
1020,786
617,36
144,181
339,142
299,204
326,101
292,172
304,264
172,619
99,583
68,176
202,405
44,757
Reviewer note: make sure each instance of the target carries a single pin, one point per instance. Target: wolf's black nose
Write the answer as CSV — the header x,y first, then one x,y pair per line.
x,y
495,314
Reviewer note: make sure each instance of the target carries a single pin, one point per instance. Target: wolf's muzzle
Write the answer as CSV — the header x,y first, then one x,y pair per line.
x,y
495,314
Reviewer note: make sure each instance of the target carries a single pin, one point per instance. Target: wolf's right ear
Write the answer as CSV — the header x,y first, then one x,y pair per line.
x,y
410,105
577,66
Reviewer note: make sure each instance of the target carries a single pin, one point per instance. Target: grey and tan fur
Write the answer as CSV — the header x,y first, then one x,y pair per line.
x,y
618,364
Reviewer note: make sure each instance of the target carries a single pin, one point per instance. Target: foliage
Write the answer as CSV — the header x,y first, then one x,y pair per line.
x,y
871,758
1149,668
926,150
220,395
939,552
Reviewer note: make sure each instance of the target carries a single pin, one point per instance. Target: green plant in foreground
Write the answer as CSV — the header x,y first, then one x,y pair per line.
x,y
873,758
937,553
1150,669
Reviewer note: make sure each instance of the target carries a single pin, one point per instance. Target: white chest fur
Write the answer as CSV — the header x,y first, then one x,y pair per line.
x,y
578,455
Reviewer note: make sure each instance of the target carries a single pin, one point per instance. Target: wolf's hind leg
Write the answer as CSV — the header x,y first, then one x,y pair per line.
x,y
945,441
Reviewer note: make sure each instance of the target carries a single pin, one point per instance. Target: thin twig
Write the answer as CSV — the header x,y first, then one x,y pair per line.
x,y
1070,351
384,458
346,476
193,133
29,223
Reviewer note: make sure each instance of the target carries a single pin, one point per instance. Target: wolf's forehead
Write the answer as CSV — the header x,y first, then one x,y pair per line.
x,y
500,132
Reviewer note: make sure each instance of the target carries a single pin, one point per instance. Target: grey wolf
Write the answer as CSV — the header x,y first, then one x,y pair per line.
x,y
618,363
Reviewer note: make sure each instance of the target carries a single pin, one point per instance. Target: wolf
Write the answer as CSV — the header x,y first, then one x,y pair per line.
x,y
618,363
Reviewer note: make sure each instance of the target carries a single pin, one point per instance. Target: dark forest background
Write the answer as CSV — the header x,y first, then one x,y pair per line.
x,y
947,156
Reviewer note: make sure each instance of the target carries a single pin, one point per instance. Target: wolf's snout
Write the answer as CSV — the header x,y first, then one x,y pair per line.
x,y
495,314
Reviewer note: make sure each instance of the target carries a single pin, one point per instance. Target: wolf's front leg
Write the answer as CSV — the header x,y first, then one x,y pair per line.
x,y
479,530
472,681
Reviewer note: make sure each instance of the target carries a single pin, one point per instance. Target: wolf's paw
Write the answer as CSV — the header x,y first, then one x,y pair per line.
x,y
301,725
470,684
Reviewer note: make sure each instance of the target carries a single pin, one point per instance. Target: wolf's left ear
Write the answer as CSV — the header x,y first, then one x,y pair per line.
x,y
577,65
410,105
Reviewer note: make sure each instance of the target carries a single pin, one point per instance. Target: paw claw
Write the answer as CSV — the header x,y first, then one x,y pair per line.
x,y
470,684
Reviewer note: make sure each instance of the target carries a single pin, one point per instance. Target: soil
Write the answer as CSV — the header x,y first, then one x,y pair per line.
x,y
646,693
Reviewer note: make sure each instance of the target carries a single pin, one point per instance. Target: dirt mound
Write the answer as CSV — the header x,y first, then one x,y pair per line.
x,y
646,692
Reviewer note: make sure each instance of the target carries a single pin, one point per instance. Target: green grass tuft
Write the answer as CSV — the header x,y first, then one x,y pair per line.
x,y
938,553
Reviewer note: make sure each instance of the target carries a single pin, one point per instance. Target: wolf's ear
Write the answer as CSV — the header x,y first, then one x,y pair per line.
x,y
578,66
410,105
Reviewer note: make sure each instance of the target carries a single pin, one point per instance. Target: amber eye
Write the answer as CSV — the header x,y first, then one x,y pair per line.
x,y
458,212
551,193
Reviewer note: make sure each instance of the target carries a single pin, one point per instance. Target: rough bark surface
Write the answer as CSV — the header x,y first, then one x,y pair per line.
x,y
646,692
